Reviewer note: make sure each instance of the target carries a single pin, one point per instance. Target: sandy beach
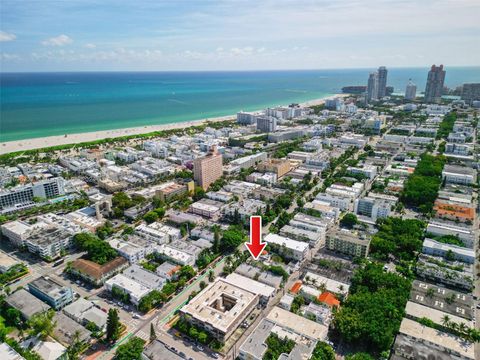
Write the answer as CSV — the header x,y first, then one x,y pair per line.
x,y
36,143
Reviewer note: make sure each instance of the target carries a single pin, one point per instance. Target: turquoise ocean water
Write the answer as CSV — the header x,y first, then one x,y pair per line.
x,y
44,104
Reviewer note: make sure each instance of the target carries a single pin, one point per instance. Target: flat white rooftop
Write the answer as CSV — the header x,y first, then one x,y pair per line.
x,y
441,339
419,311
289,243
297,323
253,286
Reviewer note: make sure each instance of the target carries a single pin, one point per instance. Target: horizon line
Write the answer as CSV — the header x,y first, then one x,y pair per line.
x,y
231,70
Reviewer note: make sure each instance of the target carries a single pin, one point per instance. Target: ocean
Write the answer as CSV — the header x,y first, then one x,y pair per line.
x,y
43,104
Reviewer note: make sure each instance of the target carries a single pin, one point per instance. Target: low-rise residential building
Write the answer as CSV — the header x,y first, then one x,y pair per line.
x,y
303,332
265,277
244,162
68,330
18,231
84,311
267,178
47,350
147,278
329,285
459,175
26,303
245,208
459,253
313,238
347,243
176,255
135,290
7,262
53,293
297,250
369,171
173,190
278,166
417,311
8,353
372,208
452,210
49,242
207,208
220,308
441,228
167,270
96,274
265,292
417,341
357,140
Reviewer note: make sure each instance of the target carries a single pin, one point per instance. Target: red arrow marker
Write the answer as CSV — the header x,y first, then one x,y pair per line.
x,y
255,246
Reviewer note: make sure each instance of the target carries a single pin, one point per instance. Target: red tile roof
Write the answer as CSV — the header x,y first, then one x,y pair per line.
x,y
296,287
328,299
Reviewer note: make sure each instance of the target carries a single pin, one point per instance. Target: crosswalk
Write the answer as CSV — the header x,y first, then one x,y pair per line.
x,y
132,324
141,334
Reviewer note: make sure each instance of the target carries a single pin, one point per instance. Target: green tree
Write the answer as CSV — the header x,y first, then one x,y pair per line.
x,y
113,325
42,325
98,251
153,335
232,238
199,193
131,350
75,347
349,220
211,276
150,217
323,351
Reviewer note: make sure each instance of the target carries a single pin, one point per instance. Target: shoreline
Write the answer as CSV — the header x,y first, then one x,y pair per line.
x,y
48,141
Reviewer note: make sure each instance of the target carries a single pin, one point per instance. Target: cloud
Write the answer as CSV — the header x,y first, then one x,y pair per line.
x,y
90,46
59,40
4,36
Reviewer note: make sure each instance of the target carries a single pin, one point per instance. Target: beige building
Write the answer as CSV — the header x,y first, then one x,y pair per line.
x,y
347,243
207,169
220,308
173,189
277,166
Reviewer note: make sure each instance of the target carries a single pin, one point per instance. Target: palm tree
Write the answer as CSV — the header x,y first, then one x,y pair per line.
x,y
430,293
463,328
453,326
446,320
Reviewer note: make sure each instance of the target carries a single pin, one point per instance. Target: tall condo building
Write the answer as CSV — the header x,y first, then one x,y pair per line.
x,y
434,87
266,124
372,87
410,91
382,82
208,168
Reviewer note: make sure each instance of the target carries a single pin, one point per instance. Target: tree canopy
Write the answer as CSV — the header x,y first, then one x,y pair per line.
x,y
397,237
98,251
371,315
131,350
421,188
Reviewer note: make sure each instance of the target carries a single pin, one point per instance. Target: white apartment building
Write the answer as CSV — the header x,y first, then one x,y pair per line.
x,y
135,290
298,249
459,175
368,171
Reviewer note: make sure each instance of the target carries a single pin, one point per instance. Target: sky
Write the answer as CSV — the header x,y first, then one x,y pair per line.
x,y
148,35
